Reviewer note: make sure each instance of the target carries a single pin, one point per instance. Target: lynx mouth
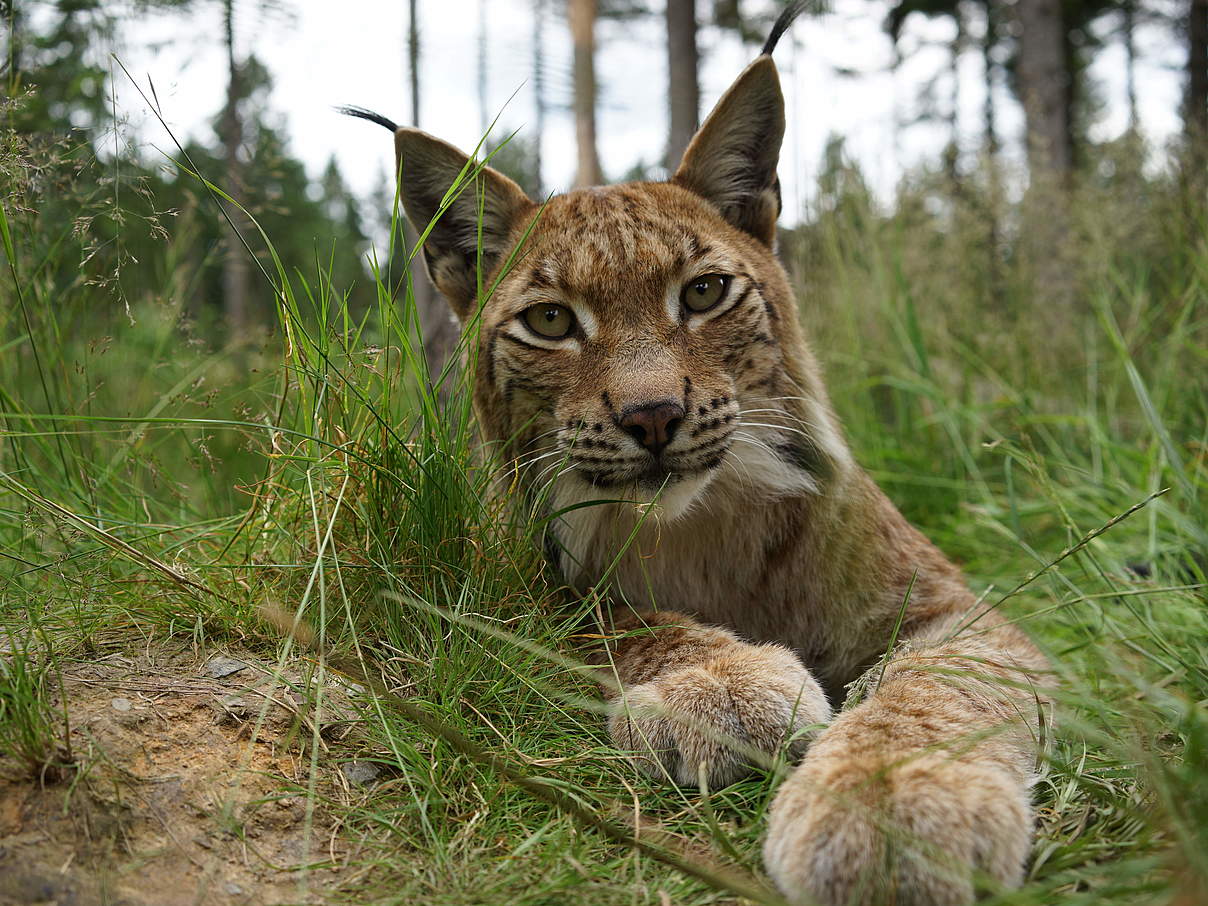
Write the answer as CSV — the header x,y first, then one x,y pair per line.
x,y
649,474
653,478
659,491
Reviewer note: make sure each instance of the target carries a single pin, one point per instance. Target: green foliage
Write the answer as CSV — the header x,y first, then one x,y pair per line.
x,y
515,158
308,220
30,730
101,209
60,69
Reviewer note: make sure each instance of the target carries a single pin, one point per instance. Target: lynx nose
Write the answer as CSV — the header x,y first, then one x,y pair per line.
x,y
652,425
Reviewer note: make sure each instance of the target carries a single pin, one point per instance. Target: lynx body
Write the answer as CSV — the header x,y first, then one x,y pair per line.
x,y
640,345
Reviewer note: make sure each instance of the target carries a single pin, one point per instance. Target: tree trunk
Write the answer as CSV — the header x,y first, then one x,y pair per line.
x,y
16,32
484,114
235,263
952,154
438,330
1128,27
582,15
1044,87
993,182
683,83
413,60
1196,116
989,110
539,101
1045,79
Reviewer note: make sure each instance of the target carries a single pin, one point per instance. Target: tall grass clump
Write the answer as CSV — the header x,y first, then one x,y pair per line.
x,y
34,733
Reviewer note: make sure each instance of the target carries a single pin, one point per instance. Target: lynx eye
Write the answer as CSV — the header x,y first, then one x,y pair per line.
x,y
704,292
553,322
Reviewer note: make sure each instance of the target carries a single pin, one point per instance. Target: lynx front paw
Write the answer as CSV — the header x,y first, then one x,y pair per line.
x,y
719,713
929,831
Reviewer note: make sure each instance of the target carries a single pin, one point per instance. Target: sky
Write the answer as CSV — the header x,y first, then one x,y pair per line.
x,y
322,53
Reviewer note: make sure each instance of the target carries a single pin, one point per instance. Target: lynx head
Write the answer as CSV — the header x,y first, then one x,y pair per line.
x,y
637,341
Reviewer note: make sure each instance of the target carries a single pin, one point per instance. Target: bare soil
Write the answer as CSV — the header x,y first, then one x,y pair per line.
x,y
187,787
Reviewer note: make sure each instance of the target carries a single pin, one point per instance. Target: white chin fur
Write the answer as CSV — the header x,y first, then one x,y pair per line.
x,y
673,501
590,535
749,471
650,499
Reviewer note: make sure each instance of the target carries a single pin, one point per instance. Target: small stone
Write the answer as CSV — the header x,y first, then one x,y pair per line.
x,y
218,667
360,773
120,704
233,889
238,709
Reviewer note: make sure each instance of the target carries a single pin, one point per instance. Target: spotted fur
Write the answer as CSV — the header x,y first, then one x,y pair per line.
x,y
755,569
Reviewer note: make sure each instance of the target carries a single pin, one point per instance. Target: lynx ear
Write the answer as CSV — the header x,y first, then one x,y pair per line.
x,y
428,168
731,161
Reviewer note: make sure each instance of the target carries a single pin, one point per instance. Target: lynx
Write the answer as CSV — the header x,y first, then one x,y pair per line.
x,y
639,346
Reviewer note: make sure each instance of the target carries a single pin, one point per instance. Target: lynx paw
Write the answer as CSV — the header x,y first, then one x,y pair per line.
x,y
929,831
714,713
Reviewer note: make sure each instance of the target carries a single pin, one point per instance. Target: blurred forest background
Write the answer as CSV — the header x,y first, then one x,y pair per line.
x,y
123,192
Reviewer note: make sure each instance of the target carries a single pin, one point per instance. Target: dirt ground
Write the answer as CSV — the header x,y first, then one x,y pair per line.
x,y
190,786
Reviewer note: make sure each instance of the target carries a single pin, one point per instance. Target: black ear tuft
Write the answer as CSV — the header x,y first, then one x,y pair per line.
x,y
783,21
362,113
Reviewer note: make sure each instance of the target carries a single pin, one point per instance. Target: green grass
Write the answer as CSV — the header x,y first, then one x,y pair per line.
x,y
36,735
154,487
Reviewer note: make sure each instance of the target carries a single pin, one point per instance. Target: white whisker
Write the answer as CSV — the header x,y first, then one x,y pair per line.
x,y
753,441
804,434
